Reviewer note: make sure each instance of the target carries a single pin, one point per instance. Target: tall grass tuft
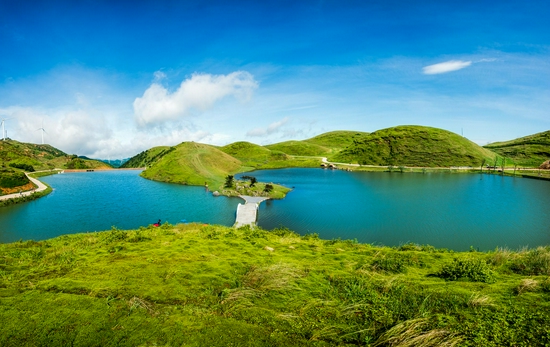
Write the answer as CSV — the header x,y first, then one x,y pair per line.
x,y
534,262
526,285
416,333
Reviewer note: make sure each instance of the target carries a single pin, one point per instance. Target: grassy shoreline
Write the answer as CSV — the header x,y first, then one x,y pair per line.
x,y
211,285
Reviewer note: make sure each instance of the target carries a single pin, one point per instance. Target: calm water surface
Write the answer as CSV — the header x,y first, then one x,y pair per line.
x,y
445,210
97,201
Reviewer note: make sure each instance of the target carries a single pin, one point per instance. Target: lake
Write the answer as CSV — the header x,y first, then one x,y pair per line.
x,y
445,210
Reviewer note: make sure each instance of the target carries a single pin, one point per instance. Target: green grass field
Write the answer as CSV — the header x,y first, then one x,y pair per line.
x,y
195,285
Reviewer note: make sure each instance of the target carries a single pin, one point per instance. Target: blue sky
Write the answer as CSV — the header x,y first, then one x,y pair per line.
x,y
111,79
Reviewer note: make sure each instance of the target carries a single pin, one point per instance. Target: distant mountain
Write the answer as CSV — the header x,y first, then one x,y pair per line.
x,y
413,145
530,150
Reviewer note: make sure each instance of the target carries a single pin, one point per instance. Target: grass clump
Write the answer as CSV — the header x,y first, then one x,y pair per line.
x,y
533,262
475,270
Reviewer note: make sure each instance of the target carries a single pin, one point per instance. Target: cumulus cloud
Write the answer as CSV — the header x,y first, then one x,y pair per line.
x,y
448,66
200,92
272,128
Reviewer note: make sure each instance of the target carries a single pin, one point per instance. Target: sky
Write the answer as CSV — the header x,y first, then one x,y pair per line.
x,y
109,79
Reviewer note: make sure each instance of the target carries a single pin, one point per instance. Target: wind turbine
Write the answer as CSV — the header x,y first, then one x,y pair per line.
x,y
4,129
43,131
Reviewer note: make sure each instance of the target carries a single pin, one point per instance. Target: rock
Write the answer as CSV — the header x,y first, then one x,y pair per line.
x,y
267,248
545,165
216,193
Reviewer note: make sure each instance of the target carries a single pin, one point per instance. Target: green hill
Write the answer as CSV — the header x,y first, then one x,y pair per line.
x,y
193,164
299,148
337,140
258,157
195,285
146,158
42,157
414,146
249,153
530,150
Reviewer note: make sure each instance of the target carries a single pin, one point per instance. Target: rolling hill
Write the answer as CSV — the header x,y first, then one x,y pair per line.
x,y
43,157
412,145
146,158
300,148
337,140
530,150
193,164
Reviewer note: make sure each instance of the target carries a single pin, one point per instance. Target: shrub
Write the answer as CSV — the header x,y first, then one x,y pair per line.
x,y
535,262
393,264
284,232
25,167
471,269
13,179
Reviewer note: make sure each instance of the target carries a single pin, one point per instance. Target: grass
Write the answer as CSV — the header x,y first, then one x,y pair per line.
x,y
146,158
194,164
414,146
40,157
530,151
199,285
300,148
337,140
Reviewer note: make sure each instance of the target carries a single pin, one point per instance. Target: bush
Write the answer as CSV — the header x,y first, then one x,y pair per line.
x,y
392,264
13,179
535,262
471,269
25,167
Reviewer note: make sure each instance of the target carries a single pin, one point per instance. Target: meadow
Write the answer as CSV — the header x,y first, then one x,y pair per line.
x,y
206,285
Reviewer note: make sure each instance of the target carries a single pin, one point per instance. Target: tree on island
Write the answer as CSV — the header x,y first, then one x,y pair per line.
x,y
252,180
268,188
228,181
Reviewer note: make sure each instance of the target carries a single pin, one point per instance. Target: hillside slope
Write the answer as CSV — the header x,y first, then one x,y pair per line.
x,y
413,145
43,157
337,140
530,150
259,157
146,158
300,148
193,164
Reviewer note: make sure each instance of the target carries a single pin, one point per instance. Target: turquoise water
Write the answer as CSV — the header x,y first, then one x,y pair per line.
x,y
97,201
453,211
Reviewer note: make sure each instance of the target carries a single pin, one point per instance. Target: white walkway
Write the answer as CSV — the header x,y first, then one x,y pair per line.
x,y
247,213
41,186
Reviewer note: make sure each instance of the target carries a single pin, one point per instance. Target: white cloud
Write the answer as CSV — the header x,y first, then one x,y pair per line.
x,y
200,92
272,128
448,66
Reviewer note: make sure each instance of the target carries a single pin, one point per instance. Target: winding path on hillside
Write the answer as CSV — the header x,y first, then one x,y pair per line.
x,y
40,187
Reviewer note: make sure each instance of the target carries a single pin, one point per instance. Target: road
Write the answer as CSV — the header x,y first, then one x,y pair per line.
x,y
41,187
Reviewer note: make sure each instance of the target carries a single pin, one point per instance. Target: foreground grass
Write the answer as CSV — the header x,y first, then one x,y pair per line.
x,y
197,285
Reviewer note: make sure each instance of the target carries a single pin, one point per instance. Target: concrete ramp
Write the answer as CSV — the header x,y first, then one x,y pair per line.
x,y
247,213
